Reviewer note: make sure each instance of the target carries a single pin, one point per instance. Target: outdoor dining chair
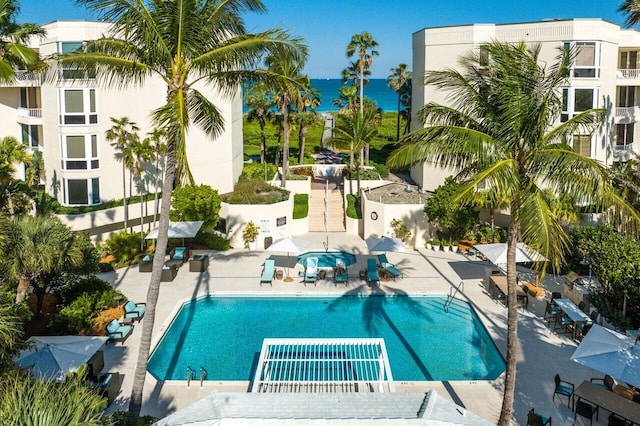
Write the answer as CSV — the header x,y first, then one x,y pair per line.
x,y
563,388
586,410
535,419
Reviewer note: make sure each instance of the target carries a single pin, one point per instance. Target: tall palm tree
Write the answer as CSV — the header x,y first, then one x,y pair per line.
x,y
363,46
14,53
355,131
352,73
259,102
121,134
141,152
310,98
631,8
182,42
397,80
287,95
156,138
499,134
12,192
36,246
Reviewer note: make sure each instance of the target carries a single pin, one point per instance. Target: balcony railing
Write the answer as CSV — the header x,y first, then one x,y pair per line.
x,y
628,73
629,147
30,112
627,111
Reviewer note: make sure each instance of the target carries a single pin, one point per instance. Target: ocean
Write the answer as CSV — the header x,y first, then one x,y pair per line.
x,y
377,89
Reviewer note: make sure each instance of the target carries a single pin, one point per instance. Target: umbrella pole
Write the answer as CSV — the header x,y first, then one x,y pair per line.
x,y
288,279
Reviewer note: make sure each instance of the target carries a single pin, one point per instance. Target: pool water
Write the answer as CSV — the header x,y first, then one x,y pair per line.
x,y
224,335
327,259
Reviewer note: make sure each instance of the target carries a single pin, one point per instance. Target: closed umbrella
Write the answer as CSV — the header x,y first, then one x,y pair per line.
x,y
52,357
497,253
288,245
610,353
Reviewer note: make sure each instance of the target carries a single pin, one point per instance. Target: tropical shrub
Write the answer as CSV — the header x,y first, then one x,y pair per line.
x,y
300,206
258,171
400,230
302,171
353,207
250,233
212,241
255,192
124,246
195,202
453,218
382,170
365,174
124,418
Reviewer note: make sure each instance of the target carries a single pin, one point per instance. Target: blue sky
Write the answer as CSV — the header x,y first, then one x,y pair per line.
x,y
328,25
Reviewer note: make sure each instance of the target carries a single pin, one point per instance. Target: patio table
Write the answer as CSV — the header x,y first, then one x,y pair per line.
x,y
573,312
608,400
498,283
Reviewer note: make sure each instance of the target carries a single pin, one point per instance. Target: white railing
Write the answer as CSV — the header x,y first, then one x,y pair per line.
x,y
624,73
626,111
624,148
30,112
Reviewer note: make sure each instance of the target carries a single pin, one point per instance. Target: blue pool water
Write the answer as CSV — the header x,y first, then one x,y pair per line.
x,y
224,335
327,259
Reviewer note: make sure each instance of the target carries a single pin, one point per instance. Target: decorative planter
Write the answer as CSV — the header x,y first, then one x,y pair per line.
x,y
436,247
445,248
454,249
428,246
253,245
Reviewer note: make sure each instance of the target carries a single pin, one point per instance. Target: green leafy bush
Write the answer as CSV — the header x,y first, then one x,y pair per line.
x,y
212,241
257,171
302,171
365,174
382,170
195,202
75,286
300,206
77,317
255,192
124,418
353,207
124,246
296,177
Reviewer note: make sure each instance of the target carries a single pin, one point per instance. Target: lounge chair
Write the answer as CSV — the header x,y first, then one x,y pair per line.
x,y
382,258
199,263
134,310
179,253
391,270
337,276
108,385
169,272
268,272
311,271
118,332
372,271
145,263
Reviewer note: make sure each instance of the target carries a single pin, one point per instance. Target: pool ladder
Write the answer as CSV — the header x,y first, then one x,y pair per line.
x,y
191,374
452,295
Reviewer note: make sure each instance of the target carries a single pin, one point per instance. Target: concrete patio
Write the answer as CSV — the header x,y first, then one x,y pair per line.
x,y
542,353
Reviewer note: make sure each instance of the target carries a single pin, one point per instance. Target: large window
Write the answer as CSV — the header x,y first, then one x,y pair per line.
x,y
587,61
626,96
628,60
582,145
82,191
624,135
576,100
70,72
80,152
78,106
30,136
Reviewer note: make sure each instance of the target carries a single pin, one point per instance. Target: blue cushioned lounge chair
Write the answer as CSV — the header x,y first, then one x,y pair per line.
x,y
134,310
311,271
180,253
372,271
118,332
391,270
337,276
268,272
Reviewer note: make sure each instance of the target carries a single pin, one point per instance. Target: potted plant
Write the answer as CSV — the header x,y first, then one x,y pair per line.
x,y
454,246
428,244
249,235
436,244
446,245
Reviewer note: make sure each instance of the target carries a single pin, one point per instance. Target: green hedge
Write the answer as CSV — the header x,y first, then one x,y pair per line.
x,y
300,206
106,205
353,207
255,191
257,171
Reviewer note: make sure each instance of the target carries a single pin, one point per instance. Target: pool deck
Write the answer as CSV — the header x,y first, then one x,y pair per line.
x,y
542,353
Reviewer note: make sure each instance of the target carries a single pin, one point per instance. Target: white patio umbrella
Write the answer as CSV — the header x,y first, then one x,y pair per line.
x,y
610,353
52,357
497,253
178,230
385,244
288,245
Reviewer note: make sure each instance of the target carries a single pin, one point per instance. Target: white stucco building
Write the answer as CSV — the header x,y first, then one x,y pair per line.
x,y
606,74
67,119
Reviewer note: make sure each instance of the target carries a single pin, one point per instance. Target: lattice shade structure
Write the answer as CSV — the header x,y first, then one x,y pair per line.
x,y
323,365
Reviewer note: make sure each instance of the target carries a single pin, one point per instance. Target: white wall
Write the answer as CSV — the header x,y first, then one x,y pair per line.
x,y
411,214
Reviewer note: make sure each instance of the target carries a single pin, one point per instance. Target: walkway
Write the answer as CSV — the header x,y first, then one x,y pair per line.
x,y
542,353
326,199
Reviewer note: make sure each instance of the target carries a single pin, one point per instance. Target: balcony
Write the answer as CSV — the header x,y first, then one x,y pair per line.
x,y
627,114
628,74
624,152
25,79
31,116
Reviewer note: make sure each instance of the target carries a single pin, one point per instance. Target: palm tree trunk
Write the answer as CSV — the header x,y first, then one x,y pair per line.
x,y
301,143
23,286
398,120
124,195
155,197
131,191
141,220
154,285
512,323
263,142
285,146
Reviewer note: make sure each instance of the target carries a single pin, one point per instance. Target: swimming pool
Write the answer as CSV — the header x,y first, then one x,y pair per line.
x,y
224,335
327,259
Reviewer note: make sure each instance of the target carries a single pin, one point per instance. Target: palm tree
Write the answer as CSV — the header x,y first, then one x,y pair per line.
x,y
355,131
363,45
157,140
182,42
397,80
11,153
259,101
499,134
13,51
631,8
352,73
37,246
303,120
141,152
121,134
287,95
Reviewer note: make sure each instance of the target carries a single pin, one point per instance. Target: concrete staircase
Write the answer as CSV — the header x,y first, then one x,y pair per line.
x,y
335,220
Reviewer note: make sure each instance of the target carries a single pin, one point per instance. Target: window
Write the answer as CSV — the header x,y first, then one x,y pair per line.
x,y
80,152
78,106
576,100
624,134
626,97
587,61
69,72
483,57
82,191
628,60
582,145
30,136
